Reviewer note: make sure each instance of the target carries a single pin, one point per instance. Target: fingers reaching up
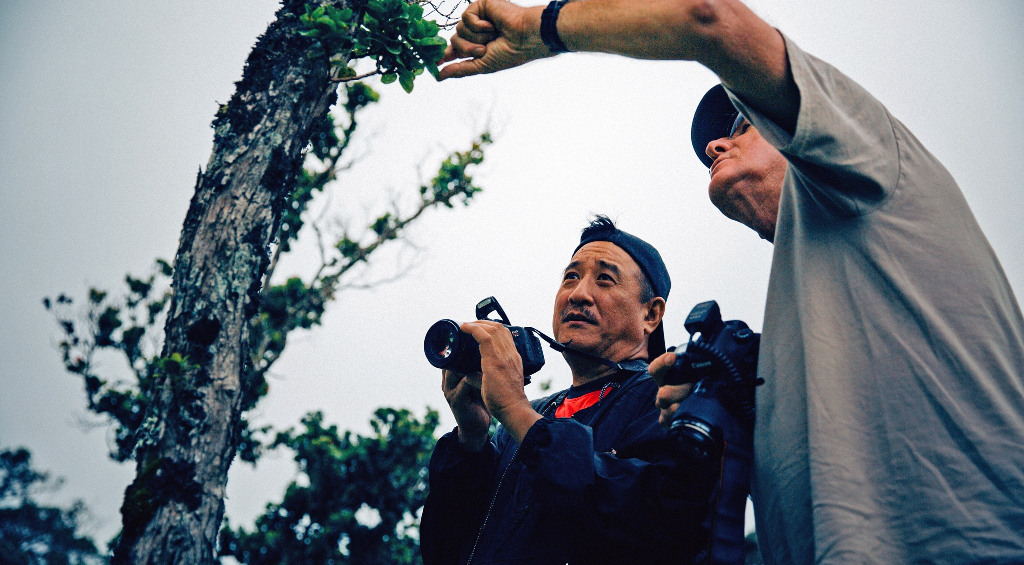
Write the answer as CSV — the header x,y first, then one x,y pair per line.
x,y
493,35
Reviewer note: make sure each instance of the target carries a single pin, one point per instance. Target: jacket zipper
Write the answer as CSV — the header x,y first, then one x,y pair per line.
x,y
494,498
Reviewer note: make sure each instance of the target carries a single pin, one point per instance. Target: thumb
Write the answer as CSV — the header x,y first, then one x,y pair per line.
x,y
461,69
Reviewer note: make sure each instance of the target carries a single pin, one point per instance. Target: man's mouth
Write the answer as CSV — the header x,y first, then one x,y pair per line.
x,y
715,164
578,317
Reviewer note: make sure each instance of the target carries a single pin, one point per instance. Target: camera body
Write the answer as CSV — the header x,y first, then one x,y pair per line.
x,y
448,347
715,423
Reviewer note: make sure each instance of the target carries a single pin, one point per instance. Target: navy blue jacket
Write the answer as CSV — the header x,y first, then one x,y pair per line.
x,y
605,486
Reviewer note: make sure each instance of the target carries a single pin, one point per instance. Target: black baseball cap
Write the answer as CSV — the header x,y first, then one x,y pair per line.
x,y
713,119
646,256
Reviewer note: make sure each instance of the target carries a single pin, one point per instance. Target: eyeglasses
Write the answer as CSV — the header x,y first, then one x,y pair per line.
x,y
736,125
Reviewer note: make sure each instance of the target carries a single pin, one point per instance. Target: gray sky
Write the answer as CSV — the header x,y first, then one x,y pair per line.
x,y
104,121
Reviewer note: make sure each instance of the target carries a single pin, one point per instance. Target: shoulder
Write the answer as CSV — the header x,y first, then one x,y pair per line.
x,y
639,384
844,152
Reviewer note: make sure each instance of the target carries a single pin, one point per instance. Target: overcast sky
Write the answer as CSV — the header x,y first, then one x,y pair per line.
x,y
104,121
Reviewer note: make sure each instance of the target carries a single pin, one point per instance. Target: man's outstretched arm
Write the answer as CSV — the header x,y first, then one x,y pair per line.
x,y
724,35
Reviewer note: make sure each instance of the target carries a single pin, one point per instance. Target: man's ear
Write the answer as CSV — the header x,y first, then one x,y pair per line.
x,y
655,312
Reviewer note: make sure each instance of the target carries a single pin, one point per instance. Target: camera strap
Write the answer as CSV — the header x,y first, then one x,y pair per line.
x,y
564,348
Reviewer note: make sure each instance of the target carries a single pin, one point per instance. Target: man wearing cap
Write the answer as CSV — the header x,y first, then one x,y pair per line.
x,y
891,425
585,475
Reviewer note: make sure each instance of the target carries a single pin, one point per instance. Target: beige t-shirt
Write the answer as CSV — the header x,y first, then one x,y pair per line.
x,y
891,425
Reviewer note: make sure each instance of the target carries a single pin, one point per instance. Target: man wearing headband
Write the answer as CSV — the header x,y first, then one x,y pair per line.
x,y
585,475
890,426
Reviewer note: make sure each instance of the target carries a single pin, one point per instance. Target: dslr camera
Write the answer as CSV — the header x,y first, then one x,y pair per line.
x,y
448,347
715,423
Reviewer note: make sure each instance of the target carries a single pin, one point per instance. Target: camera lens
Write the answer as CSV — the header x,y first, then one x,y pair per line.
x,y
698,439
447,347
442,339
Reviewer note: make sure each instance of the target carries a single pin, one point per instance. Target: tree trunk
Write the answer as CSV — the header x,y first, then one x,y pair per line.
x,y
173,510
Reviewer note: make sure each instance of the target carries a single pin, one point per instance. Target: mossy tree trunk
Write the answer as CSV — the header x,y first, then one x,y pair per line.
x,y
173,510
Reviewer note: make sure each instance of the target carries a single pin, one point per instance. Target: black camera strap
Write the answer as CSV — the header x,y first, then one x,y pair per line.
x,y
564,348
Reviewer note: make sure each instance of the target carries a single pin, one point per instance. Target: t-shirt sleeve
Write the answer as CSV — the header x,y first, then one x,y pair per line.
x,y
845,148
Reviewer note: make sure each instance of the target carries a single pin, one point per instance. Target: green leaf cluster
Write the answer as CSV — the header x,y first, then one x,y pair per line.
x,y
393,33
358,96
358,498
453,179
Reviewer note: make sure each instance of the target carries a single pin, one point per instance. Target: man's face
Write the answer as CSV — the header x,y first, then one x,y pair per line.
x,y
598,306
746,179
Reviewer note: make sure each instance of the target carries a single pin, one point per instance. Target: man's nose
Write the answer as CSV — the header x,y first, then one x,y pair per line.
x,y
581,292
717,147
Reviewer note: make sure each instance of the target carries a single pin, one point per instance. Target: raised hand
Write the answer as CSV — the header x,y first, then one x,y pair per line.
x,y
463,395
502,377
493,35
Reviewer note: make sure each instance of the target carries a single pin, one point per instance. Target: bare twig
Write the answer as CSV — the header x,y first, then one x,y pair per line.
x,y
357,77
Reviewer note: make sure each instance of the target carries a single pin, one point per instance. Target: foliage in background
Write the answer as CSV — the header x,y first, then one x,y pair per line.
x,y
357,499
33,534
131,325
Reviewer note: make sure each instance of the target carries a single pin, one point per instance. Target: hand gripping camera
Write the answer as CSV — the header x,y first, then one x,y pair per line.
x,y
715,423
448,347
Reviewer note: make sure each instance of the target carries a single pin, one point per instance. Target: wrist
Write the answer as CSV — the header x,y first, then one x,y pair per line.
x,y
530,40
518,419
471,442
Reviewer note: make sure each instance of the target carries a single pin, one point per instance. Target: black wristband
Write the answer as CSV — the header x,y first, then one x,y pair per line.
x,y
549,27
